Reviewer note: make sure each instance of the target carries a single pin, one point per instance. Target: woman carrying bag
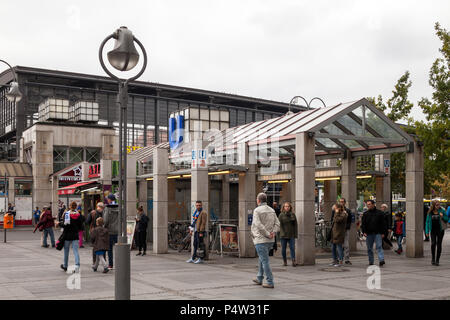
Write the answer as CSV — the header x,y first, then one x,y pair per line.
x,y
339,222
436,223
288,232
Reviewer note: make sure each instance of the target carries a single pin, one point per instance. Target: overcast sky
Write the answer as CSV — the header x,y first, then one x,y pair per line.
x,y
337,50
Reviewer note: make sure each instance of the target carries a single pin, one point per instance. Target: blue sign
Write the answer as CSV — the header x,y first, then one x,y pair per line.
x,y
194,155
176,131
387,163
202,154
250,219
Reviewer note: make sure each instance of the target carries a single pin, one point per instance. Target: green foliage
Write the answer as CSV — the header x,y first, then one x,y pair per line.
x,y
435,133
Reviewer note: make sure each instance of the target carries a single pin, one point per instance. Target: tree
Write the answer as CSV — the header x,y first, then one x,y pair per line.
x,y
435,133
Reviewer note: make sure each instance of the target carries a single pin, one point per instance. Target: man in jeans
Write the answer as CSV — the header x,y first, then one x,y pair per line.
x,y
373,226
111,222
264,227
198,228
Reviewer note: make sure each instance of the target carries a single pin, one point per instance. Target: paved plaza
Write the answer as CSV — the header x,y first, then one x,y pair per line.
x,y
28,271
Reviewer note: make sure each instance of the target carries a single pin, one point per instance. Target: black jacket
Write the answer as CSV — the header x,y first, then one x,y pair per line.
x,y
142,224
388,217
373,222
71,230
348,224
92,220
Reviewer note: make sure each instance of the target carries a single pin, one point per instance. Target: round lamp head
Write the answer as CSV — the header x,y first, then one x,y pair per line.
x,y
124,56
14,94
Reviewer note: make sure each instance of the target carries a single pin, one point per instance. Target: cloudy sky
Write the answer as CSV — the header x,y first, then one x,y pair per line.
x,y
336,50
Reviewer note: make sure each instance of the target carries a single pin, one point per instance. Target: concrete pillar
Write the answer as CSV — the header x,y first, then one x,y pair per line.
x,y
200,189
160,205
55,197
348,186
414,202
106,171
143,194
329,197
292,184
11,191
131,186
247,201
383,185
225,214
305,250
42,163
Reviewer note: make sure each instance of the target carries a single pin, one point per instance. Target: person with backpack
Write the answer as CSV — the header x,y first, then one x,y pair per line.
x,y
141,231
111,218
100,239
71,224
46,224
435,226
399,231
36,215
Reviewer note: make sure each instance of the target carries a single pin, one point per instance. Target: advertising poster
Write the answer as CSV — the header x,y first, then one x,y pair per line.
x,y
131,225
229,242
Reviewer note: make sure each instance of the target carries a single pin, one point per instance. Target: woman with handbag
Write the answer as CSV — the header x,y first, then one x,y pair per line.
x,y
288,232
72,225
436,223
339,222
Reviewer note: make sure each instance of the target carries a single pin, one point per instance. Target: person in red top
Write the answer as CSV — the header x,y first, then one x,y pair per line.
x,y
399,231
46,224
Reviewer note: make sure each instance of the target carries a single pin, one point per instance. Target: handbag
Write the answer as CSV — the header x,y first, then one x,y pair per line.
x,y
60,242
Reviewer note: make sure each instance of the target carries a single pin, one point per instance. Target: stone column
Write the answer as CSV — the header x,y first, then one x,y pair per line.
x,y
383,185
414,202
143,194
160,206
55,197
247,201
305,164
348,186
329,197
225,214
42,163
106,172
200,189
131,186
11,192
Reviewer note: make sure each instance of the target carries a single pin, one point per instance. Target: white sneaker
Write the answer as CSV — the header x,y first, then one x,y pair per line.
x,y
190,261
198,261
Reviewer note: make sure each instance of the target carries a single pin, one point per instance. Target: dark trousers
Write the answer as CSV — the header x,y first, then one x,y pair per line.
x,y
112,241
142,240
386,240
436,239
198,242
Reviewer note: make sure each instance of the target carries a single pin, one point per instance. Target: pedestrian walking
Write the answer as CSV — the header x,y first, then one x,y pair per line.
x,y
90,221
71,225
338,231
425,214
277,236
81,232
141,231
388,222
373,226
198,229
36,215
288,232
399,231
100,239
264,227
348,225
111,219
435,226
46,224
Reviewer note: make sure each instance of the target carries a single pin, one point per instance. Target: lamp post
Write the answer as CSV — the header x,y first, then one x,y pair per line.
x,y
306,102
14,95
123,57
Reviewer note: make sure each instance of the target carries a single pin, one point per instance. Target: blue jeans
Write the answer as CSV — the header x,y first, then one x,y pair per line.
x,y
399,242
49,231
371,238
264,267
112,241
284,243
340,251
67,245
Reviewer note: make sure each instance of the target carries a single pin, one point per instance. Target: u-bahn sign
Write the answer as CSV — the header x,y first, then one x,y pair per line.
x,y
387,166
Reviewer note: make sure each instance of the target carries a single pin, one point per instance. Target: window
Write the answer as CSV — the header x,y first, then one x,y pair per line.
x,y
75,155
23,188
92,155
66,156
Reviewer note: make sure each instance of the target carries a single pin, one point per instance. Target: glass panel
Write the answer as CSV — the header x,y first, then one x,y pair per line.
x,y
59,154
351,144
380,126
332,129
75,155
327,143
93,155
351,125
23,188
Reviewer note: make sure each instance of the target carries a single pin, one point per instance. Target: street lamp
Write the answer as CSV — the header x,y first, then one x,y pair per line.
x,y
123,57
14,94
306,102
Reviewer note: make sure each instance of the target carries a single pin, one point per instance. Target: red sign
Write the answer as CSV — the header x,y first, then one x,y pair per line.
x,y
72,175
94,171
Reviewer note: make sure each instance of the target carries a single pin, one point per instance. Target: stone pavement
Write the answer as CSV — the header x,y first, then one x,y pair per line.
x,y
28,271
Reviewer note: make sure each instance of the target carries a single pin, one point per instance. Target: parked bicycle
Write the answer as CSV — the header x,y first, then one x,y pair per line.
x,y
177,231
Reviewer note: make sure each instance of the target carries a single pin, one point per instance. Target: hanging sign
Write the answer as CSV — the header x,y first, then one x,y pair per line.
x,y
94,171
72,175
387,166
